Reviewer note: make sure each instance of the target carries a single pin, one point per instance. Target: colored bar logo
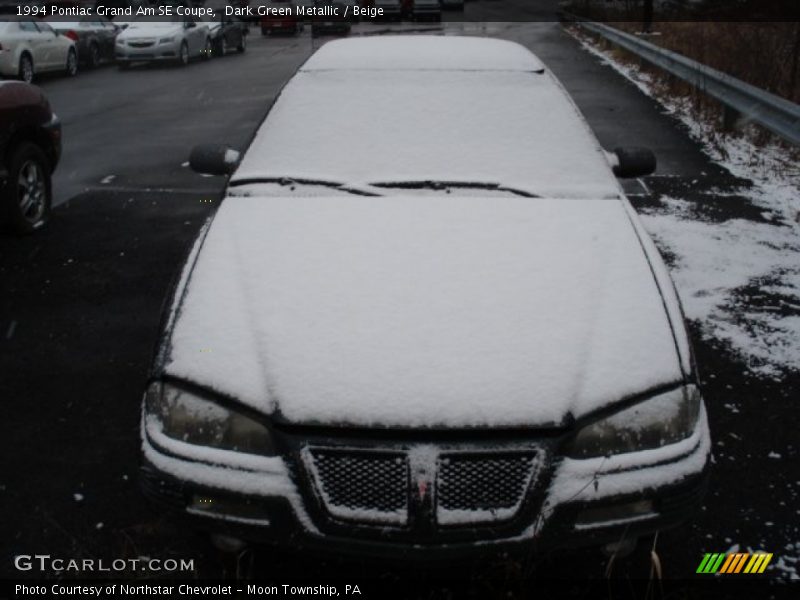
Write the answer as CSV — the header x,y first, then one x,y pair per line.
x,y
737,562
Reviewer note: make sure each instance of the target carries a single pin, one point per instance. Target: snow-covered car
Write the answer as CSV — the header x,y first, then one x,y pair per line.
x,y
442,332
29,47
173,38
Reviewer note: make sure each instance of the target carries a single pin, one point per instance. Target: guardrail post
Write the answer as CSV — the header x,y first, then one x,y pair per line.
x,y
730,118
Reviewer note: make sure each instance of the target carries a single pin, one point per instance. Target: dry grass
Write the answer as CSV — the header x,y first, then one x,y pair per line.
x,y
766,55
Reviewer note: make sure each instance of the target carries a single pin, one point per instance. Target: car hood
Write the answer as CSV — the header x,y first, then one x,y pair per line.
x,y
150,30
433,311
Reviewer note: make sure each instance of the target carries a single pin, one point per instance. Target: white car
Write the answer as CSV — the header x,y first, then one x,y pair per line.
x,y
29,47
175,38
425,320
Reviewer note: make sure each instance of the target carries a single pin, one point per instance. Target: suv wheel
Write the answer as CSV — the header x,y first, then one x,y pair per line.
x,y
28,195
26,68
242,44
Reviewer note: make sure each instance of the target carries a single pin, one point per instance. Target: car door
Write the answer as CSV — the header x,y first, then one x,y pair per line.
x,y
33,39
102,36
53,53
230,27
110,32
195,35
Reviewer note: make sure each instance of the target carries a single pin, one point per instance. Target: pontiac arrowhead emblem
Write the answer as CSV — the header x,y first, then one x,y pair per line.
x,y
422,486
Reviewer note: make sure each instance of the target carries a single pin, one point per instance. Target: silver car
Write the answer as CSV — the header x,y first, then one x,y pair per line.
x,y
175,38
30,47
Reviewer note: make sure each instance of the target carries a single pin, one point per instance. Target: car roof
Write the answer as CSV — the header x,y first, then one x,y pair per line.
x,y
423,52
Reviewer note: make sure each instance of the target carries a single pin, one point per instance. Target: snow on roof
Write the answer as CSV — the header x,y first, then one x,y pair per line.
x,y
423,311
423,52
515,128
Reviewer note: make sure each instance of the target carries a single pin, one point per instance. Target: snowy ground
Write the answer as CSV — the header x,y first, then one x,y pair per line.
x,y
738,278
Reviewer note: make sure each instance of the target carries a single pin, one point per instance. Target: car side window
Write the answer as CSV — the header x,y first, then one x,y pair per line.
x,y
28,26
44,27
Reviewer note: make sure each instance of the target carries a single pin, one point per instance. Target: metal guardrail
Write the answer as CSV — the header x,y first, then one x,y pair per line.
x,y
740,99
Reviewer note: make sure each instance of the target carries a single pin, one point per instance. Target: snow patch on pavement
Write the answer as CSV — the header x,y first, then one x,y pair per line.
x,y
715,260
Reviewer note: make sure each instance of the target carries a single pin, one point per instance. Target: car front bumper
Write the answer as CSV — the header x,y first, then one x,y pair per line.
x,y
585,503
156,52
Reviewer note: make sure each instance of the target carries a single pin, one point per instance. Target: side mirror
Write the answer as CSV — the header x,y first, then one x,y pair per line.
x,y
214,159
632,162
189,24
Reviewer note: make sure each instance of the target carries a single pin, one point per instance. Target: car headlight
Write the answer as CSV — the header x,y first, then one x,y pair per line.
x,y
659,421
166,40
189,418
120,42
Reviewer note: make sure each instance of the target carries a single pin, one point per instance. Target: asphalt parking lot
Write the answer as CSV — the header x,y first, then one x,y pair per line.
x,y
80,304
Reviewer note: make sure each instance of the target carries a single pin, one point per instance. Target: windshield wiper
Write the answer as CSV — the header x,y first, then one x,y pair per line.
x,y
430,184
293,181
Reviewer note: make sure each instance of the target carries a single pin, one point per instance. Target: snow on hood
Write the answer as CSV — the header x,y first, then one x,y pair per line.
x,y
435,311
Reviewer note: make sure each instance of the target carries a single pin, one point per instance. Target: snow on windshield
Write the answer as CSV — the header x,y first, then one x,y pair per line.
x,y
513,128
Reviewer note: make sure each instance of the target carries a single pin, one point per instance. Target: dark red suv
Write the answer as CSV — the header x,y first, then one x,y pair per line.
x,y
30,146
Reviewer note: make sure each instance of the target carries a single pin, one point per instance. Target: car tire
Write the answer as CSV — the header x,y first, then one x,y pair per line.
x,y
93,57
242,44
208,50
72,63
220,47
183,54
27,197
25,71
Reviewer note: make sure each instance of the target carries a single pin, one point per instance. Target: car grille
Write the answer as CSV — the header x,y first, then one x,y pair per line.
x,y
482,488
367,487
463,488
140,44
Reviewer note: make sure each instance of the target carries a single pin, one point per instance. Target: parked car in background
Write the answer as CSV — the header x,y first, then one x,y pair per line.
x,y
441,333
426,10
176,38
351,4
227,32
289,23
392,9
30,47
94,37
453,4
123,21
324,24
30,146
